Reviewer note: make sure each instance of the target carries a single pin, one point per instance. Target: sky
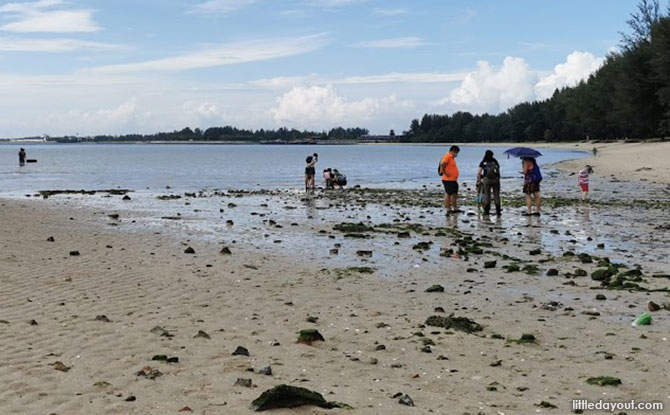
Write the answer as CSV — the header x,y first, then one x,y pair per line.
x,y
74,67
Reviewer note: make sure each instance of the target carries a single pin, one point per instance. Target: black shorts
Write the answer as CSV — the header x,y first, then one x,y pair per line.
x,y
530,188
451,187
310,171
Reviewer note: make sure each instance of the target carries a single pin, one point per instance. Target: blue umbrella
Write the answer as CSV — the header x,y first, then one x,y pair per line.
x,y
522,152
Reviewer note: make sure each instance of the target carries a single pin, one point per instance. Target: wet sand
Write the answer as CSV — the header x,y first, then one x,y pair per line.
x,y
363,287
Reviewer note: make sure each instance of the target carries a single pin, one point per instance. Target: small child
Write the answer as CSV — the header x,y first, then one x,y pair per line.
x,y
479,197
583,179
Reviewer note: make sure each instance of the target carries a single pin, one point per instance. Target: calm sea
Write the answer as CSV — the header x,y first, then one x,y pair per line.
x,y
149,168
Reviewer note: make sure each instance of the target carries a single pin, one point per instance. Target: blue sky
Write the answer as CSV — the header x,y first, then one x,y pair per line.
x,y
93,67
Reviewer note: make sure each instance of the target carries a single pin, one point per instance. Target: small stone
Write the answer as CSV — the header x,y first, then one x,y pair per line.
x,y
102,318
202,335
58,365
309,336
496,363
267,371
312,319
245,383
490,264
435,289
380,347
74,253
552,272
535,252
131,399
32,322
406,400
439,310
185,409
225,251
652,306
364,254
601,297
240,351
189,250
149,373
51,239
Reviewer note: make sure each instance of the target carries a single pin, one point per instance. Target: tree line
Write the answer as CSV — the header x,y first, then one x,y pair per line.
x,y
628,97
227,133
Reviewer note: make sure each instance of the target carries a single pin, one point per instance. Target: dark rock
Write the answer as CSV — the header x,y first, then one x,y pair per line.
x,y
225,251
202,335
439,310
131,399
74,253
580,273
601,297
490,264
267,371
32,322
524,339
380,347
149,373
535,252
160,358
309,336
552,272
114,216
285,396
240,351
126,198
404,235
435,289
604,381
406,400
51,239
365,254
189,250
245,383
102,318
457,323
312,319
602,274
652,306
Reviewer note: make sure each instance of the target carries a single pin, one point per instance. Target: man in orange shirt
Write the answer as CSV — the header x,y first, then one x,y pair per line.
x,y
449,170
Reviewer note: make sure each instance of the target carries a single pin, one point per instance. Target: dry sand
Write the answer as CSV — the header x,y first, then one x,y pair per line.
x,y
140,280
626,161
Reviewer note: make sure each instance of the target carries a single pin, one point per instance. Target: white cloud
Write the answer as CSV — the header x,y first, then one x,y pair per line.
x,y
395,43
124,116
203,110
578,67
490,89
222,6
40,16
318,107
389,12
227,54
410,78
413,78
9,44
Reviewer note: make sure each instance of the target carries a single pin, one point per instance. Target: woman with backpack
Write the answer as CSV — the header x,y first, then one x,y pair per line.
x,y
489,176
531,185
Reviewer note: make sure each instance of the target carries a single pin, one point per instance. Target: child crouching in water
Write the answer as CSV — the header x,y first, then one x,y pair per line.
x,y
583,179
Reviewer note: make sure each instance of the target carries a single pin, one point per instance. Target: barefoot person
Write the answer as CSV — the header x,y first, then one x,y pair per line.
x,y
310,171
449,171
583,180
488,176
531,185
22,156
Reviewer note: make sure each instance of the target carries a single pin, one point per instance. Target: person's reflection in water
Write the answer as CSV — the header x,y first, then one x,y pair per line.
x,y
452,222
310,207
533,230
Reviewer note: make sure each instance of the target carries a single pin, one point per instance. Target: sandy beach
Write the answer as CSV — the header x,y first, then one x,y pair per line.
x,y
90,299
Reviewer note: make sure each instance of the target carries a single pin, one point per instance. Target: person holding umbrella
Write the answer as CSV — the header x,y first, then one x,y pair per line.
x,y
531,185
532,176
